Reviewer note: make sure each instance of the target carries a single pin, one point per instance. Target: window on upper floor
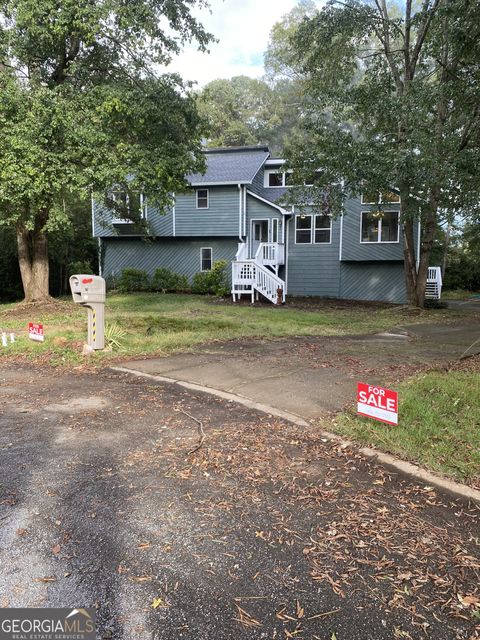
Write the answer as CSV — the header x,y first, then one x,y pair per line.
x,y
313,179
388,197
277,178
313,229
380,226
206,259
126,205
323,229
202,199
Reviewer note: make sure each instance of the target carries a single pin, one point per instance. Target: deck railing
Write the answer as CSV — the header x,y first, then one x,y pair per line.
x,y
433,289
270,253
248,277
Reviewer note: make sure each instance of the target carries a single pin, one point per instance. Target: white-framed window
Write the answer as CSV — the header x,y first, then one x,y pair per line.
x,y
388,197
206,259
323,229
127,202
277,178
379,226
202,199
313,229
303,229
275,230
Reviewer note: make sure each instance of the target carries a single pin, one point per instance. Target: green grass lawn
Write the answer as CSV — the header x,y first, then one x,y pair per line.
x,y
439,412
439,424
165,323
460,294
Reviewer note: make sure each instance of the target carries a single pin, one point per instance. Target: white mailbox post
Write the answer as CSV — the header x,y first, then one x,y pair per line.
x,y
89,291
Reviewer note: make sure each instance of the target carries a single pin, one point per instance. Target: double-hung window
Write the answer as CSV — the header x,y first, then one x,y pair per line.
x,y
380,226
202,199
313,229
206,258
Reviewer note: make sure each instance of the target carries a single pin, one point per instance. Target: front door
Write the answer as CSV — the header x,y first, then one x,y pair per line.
x,y
259,234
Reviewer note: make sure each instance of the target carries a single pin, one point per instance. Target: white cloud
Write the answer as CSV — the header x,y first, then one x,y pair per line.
x,y
242,28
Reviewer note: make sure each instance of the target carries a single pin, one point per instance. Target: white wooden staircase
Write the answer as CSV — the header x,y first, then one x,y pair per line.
x,y
433,289
259,275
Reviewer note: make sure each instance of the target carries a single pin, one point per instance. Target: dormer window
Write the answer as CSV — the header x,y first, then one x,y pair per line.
x,y
202,198
277,178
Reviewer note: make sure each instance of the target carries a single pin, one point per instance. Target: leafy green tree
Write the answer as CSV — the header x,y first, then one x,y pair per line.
x,y
392,99
463,257
280,58
10,283
81,109
240,111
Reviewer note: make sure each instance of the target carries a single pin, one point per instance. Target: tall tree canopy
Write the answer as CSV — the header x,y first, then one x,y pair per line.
x,y
240,111
81,108
393,100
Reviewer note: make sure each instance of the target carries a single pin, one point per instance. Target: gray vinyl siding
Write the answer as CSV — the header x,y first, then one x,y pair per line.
x,y
180,255
158,224
313,269
383,282
258,210
220,219
257,182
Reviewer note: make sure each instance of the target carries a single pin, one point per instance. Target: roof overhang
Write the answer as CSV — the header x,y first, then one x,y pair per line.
x,y
218,184
268,202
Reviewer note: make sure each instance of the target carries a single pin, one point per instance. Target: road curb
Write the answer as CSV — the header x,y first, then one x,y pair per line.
x,y
402,466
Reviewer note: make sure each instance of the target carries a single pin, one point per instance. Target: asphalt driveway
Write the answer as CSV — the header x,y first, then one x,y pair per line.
x,y
180,515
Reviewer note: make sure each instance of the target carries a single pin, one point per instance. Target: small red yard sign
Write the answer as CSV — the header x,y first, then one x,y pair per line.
x,y
377,403
35,332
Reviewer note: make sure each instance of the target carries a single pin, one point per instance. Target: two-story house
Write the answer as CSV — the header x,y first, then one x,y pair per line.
x,y
232,212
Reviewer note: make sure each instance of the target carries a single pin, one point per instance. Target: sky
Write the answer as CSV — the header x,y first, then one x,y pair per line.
x,y
242,28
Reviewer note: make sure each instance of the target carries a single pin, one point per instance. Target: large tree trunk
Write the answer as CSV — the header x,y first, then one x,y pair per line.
x,y
416,274
33,261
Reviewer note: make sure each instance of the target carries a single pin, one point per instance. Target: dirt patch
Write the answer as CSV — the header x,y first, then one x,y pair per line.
x,y
27,311
309,304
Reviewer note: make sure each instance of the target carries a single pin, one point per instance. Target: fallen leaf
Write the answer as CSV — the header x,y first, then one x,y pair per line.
x,y
56,549
47,579
144,545
140,578
158,602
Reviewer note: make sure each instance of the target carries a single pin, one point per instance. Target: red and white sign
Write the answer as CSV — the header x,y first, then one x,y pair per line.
x,y
377,403
35,332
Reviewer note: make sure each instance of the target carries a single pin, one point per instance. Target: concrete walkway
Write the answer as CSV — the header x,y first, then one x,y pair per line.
x,y
312,376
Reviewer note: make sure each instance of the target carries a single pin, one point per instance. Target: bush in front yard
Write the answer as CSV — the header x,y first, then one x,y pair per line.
x,y
214,281
166,280
133,280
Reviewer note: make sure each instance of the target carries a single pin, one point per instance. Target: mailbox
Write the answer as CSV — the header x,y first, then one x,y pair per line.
x,y
86,288
89,291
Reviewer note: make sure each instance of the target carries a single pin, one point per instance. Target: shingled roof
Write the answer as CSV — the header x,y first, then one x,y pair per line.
x,y
232,165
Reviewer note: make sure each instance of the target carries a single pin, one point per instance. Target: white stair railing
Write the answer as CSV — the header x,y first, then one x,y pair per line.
x,y
269,285
242,251
433,289
252,275
249,277
270,253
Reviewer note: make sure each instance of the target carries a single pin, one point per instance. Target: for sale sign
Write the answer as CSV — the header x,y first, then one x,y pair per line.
x,y
377,403
35,332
